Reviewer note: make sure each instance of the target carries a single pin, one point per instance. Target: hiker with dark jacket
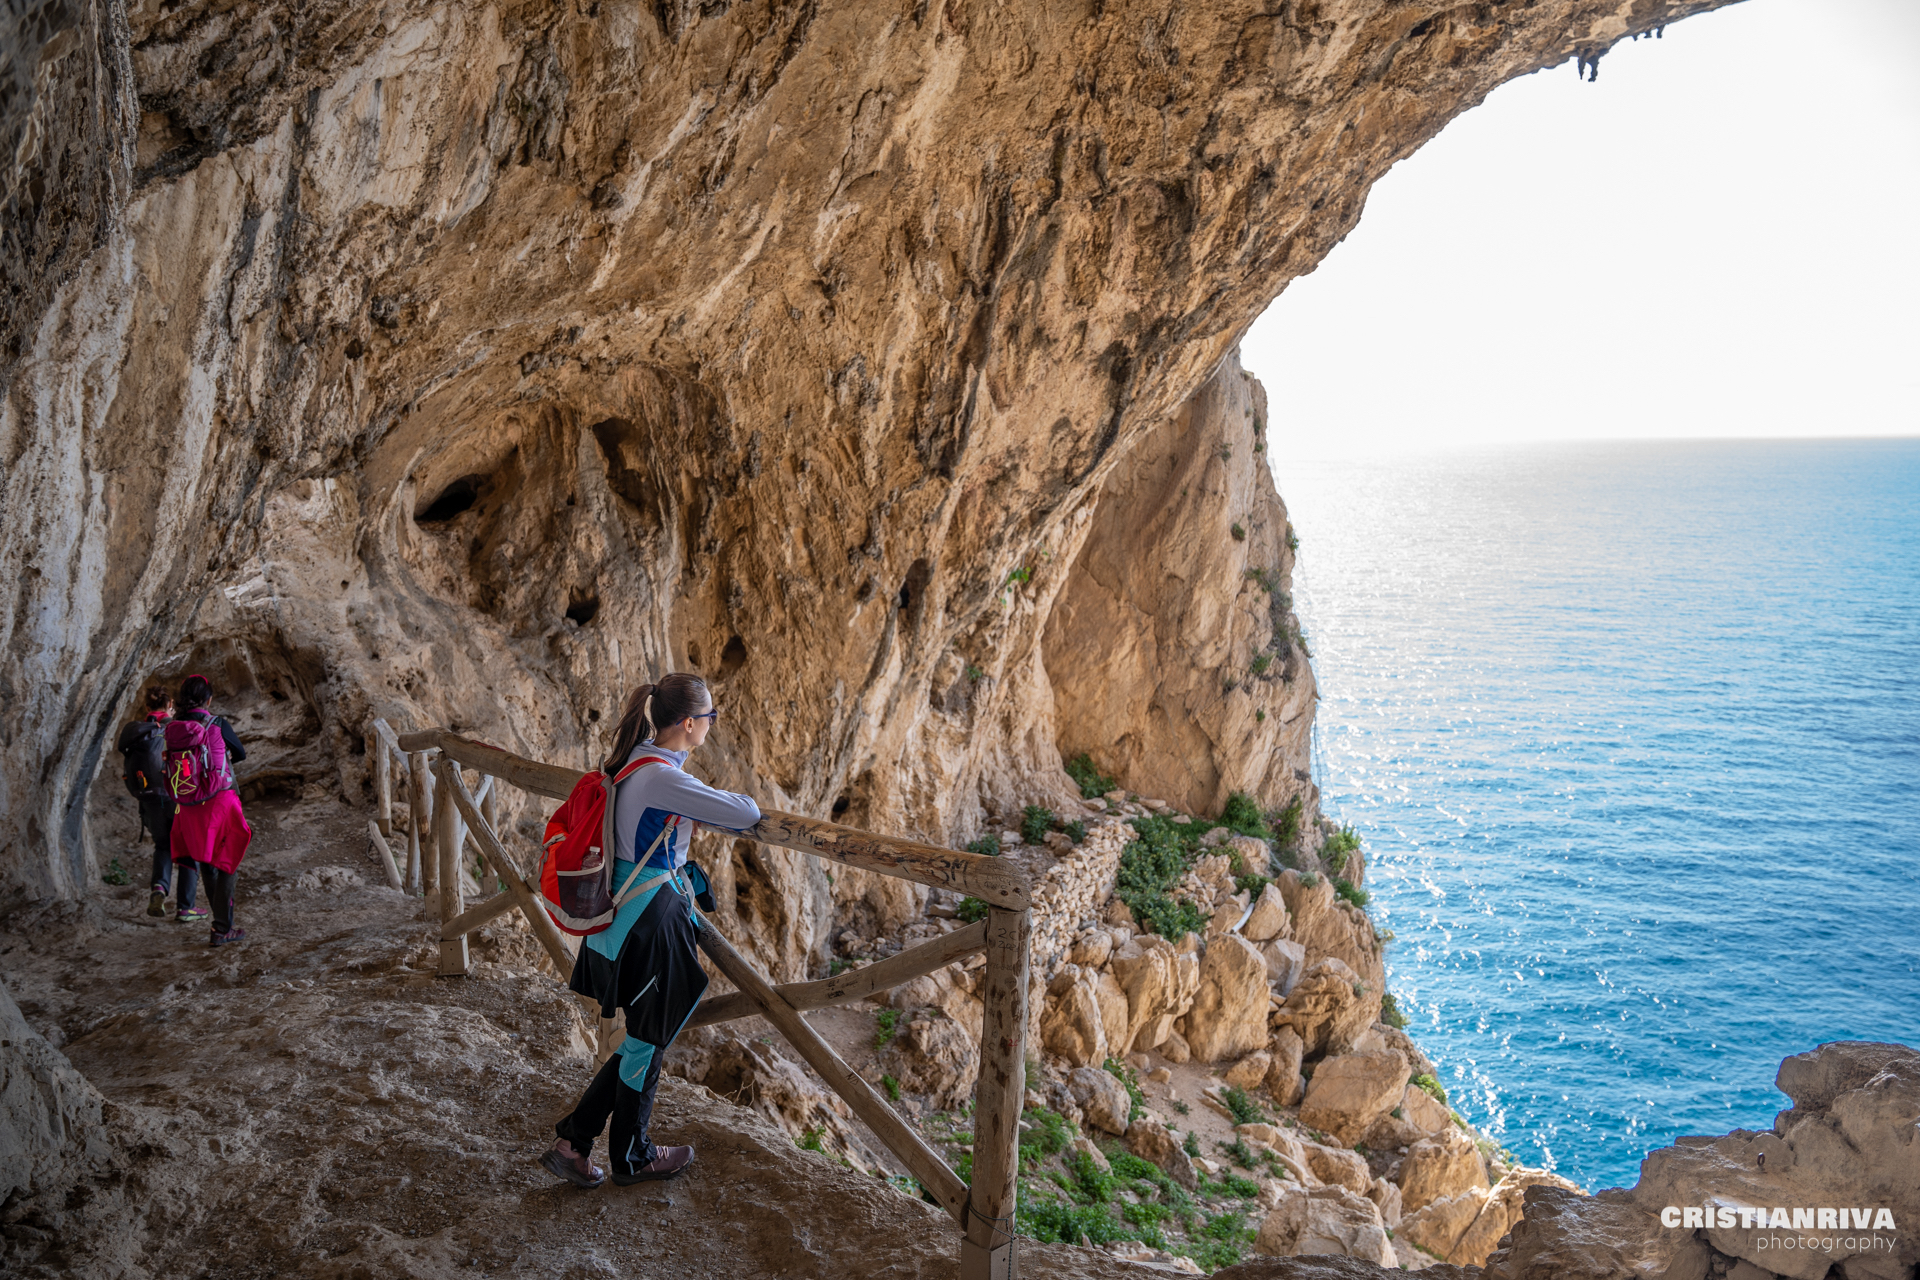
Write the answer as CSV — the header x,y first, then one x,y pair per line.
x,y
143,744
645,961
210,832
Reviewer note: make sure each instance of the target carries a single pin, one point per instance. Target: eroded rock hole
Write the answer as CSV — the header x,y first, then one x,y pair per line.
x,y
841,805
593,715
733,657
913,591
278,786
582,606
452,500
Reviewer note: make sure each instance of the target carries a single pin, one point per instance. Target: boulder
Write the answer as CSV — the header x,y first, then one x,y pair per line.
x,y
1498,1214
1386,1197
1565,1236
1441,1166
1397,1039
1159,983
1256,856
1174,1048
1215,837
1149,1139
1328,927
1329,1007
1226,915
1348,1093
1091,948
1115,1018
936,1056
1229,1014
1284,1081
1420,1115
1269,920
1083,1145
1438,1225
1103,1099
1071,1025
1286,961
1337,1166
951,989
1326,1220
1250,1072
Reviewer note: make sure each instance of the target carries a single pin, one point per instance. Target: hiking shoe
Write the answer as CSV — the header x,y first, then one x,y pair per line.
x,y
231,935
191,915
666,1162
578,1170
157,903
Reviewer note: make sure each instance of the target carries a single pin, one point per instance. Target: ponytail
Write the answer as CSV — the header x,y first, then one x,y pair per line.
x,y
158,698
653,707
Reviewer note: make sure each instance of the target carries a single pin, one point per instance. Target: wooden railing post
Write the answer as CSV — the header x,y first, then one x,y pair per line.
x,y
987,1251
419,795
449,834
507,869
382,782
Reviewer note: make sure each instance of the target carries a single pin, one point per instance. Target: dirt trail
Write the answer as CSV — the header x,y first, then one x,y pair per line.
x,y
316,1102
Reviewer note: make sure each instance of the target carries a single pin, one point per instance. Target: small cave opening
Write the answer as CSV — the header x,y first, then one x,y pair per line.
x,y
451,501
841,805
913,591
582,606
733,657
693,654
278,786
593,715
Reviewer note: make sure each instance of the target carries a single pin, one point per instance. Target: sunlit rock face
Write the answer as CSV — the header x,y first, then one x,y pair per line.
x,y
468,363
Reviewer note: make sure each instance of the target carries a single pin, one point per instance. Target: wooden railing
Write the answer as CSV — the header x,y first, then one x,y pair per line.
x,y
442,807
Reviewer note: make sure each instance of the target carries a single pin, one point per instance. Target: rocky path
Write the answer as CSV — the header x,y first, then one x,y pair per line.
x,y
315,1102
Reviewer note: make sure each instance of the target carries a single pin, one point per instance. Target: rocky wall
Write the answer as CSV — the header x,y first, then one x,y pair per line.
x,y
469,363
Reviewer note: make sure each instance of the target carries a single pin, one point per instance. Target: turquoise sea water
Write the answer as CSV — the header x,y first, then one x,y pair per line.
x,y
1632,731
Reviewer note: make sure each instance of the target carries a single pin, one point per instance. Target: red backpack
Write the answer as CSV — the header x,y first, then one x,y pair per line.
x,y
576,877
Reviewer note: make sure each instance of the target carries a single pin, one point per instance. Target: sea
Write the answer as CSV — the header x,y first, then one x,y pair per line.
x,y
1631,731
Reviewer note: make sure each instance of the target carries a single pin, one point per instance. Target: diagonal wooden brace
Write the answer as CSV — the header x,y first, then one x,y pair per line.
x,y
921,1160
504,867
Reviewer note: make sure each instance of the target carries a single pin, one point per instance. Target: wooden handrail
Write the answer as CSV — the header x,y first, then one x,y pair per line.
x,y
995,881
854,984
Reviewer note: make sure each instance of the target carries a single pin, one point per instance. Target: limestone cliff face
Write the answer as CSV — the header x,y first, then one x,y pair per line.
x,y
467,363
1175,656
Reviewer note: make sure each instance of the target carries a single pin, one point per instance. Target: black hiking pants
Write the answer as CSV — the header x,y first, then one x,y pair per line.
x,y
157,813
219,894
630,1109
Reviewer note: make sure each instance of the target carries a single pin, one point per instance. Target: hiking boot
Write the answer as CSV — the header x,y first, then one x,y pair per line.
x,y
666,1162
157,903
575,1168
231,935
191,915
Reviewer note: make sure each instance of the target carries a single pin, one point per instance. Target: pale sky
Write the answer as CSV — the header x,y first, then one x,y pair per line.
x,y
1719,237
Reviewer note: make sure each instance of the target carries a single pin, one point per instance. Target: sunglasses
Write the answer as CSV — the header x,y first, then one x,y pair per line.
x,y
711,715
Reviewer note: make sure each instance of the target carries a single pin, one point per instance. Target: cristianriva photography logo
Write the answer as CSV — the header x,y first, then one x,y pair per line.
x,y
1846,1230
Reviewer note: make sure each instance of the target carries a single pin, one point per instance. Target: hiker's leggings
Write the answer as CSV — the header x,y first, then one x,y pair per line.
x,y
630,1109
219,894
189,873
158,815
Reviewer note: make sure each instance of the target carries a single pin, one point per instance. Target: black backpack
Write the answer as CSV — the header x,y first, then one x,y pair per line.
x,y
146,759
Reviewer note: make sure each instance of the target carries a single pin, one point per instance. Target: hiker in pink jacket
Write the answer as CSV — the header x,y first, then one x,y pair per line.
x,y
209,829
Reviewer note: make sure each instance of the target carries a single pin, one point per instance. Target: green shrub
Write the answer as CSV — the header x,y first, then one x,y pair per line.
x,y
1250,885
1261,661
1293,539
1150,866
1076,830
1047,1135
987,845
1019,577
836,967
1245,1109
1309,879
1390,1012
974,673
1336,847
1192,1144
1242,816
1267,580
1226,453
1091,781
1035,822
1259,716
1239,531
1285,823
1089,1184
1241,1154
1127,1165
1127,1076
1346,889
115,874
1221,1240
809,1140
970,910
886,1026
1061,1222
1433,1087
892,1087
1157,913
